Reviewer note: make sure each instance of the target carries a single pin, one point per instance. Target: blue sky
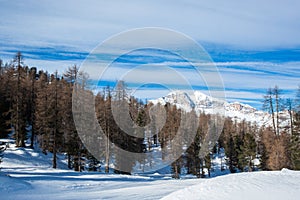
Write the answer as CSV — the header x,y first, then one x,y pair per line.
x,y
255,44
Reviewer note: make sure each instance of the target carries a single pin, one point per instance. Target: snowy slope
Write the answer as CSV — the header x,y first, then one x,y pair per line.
x,y
204,103
27,174
278,185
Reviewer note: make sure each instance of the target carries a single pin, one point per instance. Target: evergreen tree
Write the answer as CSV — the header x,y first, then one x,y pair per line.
x,y
83,112
49,114
247,152
207,161
295,137
262,148
192,157
4,105
19,94
93,163
1,153
72,141
41,110
32,103
55,116
106,121
129,136
176,140
232,150
295,143
192,153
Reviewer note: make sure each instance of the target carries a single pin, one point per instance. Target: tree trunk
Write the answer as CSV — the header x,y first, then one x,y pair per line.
x,y
69,161
277,112
273,115
107,152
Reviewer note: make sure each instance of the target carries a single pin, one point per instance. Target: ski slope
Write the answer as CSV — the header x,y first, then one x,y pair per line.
x,y
279,185
27,174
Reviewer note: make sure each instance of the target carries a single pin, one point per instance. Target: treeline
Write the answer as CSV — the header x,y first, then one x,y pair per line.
x,y
39,103
37,106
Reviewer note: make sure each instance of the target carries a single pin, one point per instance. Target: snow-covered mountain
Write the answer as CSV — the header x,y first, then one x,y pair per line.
x,y
201,102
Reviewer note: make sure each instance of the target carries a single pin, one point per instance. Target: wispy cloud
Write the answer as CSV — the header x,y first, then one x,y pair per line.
x,y
85,24
57,34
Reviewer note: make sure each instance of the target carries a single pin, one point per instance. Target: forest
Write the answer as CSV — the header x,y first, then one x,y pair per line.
x,y
36,111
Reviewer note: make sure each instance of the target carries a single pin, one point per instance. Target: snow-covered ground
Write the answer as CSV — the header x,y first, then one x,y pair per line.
x,y
279,185
27,174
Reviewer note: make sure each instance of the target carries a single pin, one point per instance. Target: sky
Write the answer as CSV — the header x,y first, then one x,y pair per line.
x,y
255,44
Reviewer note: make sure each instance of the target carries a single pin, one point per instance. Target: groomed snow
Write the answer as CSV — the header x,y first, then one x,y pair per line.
x,y
279,185
27,174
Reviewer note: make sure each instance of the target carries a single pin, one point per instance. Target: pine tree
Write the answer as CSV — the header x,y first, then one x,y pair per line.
x,y
54,116
1,67
106,121
76,95
263,145
49,114
93,163
70,132
41,114
68,128
140,119
207,161
1,153
232,150
32,103
4,104
295,143
18,110
192,153
107,126
192,157
247,152
121,139
295,137
176,140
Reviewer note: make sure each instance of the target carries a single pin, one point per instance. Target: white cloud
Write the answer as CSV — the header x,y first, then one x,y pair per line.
x,y
82,25
86,23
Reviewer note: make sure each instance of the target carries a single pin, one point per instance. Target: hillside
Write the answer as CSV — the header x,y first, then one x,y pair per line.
x,y
277,185
27,174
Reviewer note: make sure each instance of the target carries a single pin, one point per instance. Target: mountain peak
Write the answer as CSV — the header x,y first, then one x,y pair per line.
x,y
201,102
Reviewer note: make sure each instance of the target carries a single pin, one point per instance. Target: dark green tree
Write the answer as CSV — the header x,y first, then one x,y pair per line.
x,y
247,152
232,149
295,137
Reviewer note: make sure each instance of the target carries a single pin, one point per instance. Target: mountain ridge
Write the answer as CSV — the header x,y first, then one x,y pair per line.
x,y
203,103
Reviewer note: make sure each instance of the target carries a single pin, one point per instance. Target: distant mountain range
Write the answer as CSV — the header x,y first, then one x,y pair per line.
x,y
201,102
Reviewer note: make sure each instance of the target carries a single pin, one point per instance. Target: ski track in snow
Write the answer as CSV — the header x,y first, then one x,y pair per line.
x,y
27,174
